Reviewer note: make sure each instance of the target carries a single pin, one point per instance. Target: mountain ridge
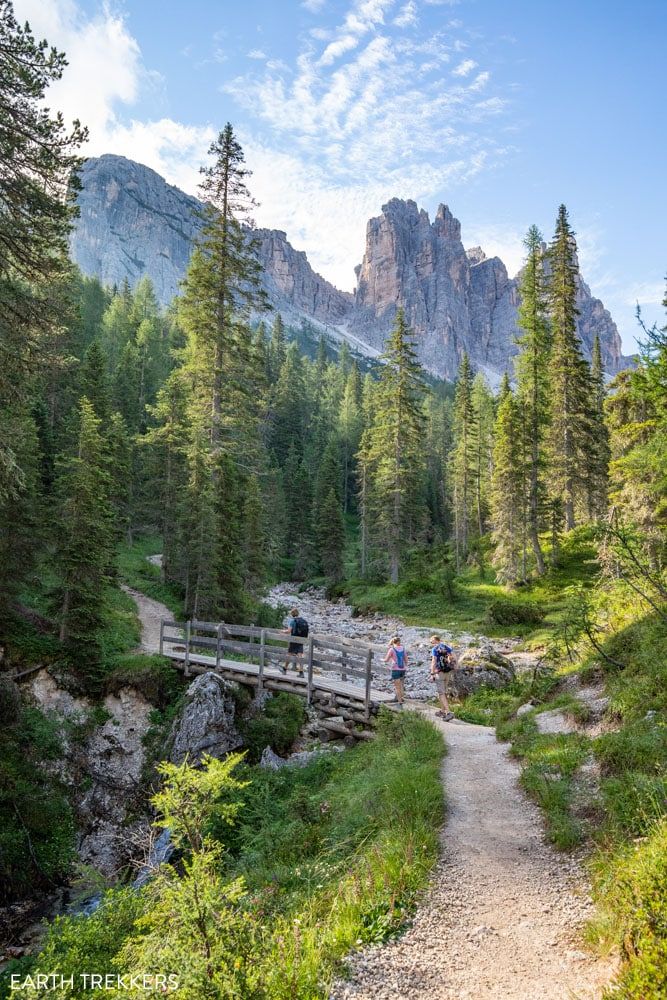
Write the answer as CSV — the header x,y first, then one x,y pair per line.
x,y
133,223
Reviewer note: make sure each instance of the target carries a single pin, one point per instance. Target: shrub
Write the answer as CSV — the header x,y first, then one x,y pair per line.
x,y
507,612
277,725
153,676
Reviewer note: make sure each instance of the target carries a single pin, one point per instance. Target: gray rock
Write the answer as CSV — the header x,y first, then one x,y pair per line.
x,y
554,722
206,724
133,224
524,709
272,762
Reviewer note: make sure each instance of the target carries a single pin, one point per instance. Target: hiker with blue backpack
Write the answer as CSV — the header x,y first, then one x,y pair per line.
x,y
299,628
443,662
397,656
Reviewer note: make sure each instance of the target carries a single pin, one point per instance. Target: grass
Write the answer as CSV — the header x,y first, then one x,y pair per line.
x,y
421,598
137,572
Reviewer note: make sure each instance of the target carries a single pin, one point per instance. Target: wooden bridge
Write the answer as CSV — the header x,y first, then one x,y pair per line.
x,y
336,679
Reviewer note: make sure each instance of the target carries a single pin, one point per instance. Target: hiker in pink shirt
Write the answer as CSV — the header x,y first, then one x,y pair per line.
x,y
398,657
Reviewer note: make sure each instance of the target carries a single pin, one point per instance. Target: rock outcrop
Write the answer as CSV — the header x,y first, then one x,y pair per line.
x,y
206,724
132,223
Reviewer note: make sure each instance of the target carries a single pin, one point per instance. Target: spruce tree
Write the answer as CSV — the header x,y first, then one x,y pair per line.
x,y
395,456
506,483
350,424
331,538
254,535
598,440
83,543
532,377
568,375
463,458
38,166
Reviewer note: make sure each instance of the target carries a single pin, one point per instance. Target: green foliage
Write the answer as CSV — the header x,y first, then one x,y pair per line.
x,y
508,612
36,821
135,570
632,887
321,860
152,675
276,726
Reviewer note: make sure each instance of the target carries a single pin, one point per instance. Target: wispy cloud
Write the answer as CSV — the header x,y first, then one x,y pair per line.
x,y
464,68
258,54
314,6
407,15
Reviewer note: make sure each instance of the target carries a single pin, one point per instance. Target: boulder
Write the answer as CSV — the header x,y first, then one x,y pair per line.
x,y
206,724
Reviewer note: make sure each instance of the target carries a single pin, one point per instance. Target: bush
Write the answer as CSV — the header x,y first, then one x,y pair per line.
x,y
639,746
153,676
277,726
507,612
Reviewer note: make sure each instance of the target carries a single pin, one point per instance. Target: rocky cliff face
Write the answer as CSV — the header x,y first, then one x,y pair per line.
x,y
133,223
453,300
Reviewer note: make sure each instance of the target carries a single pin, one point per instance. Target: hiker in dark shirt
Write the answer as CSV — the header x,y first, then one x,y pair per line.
x,y
443,662
298,627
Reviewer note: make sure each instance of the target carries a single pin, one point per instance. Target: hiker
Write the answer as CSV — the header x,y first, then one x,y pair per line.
x,y
298,627
442,663
398,657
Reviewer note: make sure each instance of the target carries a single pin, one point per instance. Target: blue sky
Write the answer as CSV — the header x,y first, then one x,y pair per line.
x,y
500,109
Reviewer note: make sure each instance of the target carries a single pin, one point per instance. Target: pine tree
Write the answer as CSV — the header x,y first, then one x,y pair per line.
x,y
463,458
84,542
531,370
568,375
598,440
396,460
38,166
255,542
94,381
350,424
331,538
506,483
222,286
20,508
482,445
118,454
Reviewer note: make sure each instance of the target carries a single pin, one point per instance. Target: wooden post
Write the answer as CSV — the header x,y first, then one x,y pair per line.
x,y
343,665
367,700
262,660
309,693
217,646
188,626
162,637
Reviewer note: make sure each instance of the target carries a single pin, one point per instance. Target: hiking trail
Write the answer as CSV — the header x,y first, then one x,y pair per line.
x,y
502,916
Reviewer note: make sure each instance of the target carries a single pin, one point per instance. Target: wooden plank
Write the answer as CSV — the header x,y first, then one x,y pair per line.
x,y
369,674
171,624
310,670
161,636
262,657
187,649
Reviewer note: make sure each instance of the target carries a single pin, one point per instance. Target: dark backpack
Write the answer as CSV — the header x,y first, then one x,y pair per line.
x,y
443,659
300,628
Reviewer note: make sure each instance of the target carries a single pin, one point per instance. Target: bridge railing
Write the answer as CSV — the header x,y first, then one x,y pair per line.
x,y
352,661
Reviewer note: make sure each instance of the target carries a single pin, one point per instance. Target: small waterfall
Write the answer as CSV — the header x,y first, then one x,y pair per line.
x,y
161,850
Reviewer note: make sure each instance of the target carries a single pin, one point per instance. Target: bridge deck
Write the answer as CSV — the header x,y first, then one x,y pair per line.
x,y
275,680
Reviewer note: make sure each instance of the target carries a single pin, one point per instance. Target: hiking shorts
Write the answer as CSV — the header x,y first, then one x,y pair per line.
x,y
295,647
441,682
397,675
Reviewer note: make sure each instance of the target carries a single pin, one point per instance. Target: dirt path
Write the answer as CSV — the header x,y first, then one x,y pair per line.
x,y
150,614
502,917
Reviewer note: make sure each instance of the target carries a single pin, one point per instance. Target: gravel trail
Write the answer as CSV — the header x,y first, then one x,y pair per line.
x,y
150,614
502,917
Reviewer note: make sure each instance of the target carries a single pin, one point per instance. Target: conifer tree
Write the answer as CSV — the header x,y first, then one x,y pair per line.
x,y
331,538
568,375
38,164
254,535
395,456
463,459
84,542
365,465
532,377
506,483
597,470
94,381
350,424
19,508
482,446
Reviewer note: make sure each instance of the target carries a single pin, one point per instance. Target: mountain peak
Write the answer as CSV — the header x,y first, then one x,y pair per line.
x,y
132,223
